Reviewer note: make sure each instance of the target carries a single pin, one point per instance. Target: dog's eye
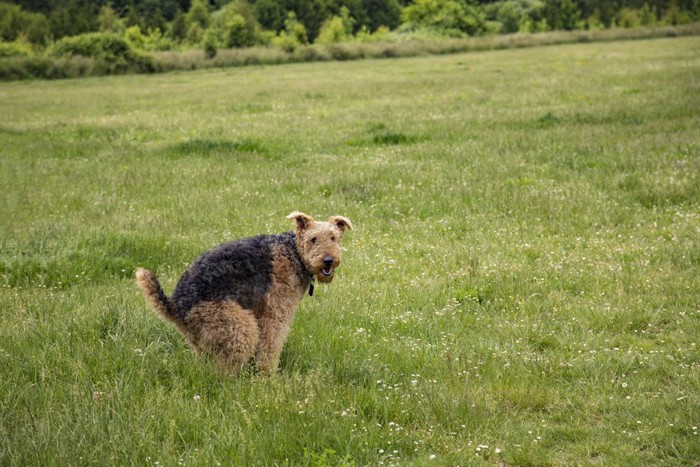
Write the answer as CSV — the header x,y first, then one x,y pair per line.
x,y
313,240
333,238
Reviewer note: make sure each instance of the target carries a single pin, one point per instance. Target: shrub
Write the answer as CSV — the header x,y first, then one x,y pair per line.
x,y
154,40
234,25
382,34
296,29
332,32
198,15
14,49
293,35
103,46
628,18
210,43
516,15
561,14
285,42
110,21
451,17
111,49
237,32
675,16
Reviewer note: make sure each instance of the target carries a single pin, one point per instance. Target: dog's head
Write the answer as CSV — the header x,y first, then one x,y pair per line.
x,y
318,243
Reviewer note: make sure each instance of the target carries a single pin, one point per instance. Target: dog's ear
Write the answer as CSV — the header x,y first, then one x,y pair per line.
x,y
303,221
343,223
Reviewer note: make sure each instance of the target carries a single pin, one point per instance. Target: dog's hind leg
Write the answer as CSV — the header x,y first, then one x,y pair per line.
x,y
225,330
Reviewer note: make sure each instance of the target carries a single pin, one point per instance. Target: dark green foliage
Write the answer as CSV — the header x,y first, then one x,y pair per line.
x,y
178,28
16,23
72,18
561,14
310,13
271,14
382,13
516,15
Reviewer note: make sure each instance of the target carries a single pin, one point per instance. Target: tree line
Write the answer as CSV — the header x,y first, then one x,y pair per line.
x,y
175,24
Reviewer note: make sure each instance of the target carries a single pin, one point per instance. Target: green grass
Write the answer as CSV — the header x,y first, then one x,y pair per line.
x,y
522,286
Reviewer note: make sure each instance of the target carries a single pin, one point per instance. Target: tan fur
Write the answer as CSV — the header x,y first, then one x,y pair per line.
x,y
317,240
224,330
148,282
235,335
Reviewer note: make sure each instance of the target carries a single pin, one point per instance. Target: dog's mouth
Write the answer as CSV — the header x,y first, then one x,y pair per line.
x,y
325,275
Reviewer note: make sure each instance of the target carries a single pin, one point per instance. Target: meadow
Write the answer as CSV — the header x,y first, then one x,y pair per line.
x,y
522,286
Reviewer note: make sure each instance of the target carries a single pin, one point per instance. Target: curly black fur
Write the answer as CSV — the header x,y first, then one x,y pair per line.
x,y
240,270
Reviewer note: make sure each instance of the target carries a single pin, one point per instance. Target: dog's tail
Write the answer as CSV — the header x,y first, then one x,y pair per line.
x,y
155,296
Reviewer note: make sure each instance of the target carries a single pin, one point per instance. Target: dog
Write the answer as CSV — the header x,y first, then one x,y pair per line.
x,y
238,300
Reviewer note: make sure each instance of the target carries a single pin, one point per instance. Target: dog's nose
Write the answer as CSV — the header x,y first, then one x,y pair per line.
x,y
328,261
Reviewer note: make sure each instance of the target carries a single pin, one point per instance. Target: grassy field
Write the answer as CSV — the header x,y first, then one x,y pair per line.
x,y
522,286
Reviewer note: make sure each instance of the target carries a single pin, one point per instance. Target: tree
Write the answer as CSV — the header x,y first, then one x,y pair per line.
x,y
178,27
295,29
311,13
293,35
109,20
73,17
271,14
382,13
15,23
561,14
197,21
452,17
234,25
333,31
198,15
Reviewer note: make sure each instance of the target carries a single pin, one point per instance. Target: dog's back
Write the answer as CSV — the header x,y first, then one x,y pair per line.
x,y
241,270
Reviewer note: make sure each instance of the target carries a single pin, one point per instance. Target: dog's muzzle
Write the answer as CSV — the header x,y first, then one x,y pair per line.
x,y
327,270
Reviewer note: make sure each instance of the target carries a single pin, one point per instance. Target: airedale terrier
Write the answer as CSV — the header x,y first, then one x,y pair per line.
x,y
237,301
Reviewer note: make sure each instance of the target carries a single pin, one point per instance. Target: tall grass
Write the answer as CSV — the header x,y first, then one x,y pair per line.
x,y
394,46
521,287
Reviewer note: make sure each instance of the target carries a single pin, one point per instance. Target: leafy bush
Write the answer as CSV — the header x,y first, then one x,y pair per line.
x,y
451,17
561,14
111,49
238,32
628,18
336,29
14,49
234,25
293,35
109,20
332,32
674,16
382,34
516,15
154,40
